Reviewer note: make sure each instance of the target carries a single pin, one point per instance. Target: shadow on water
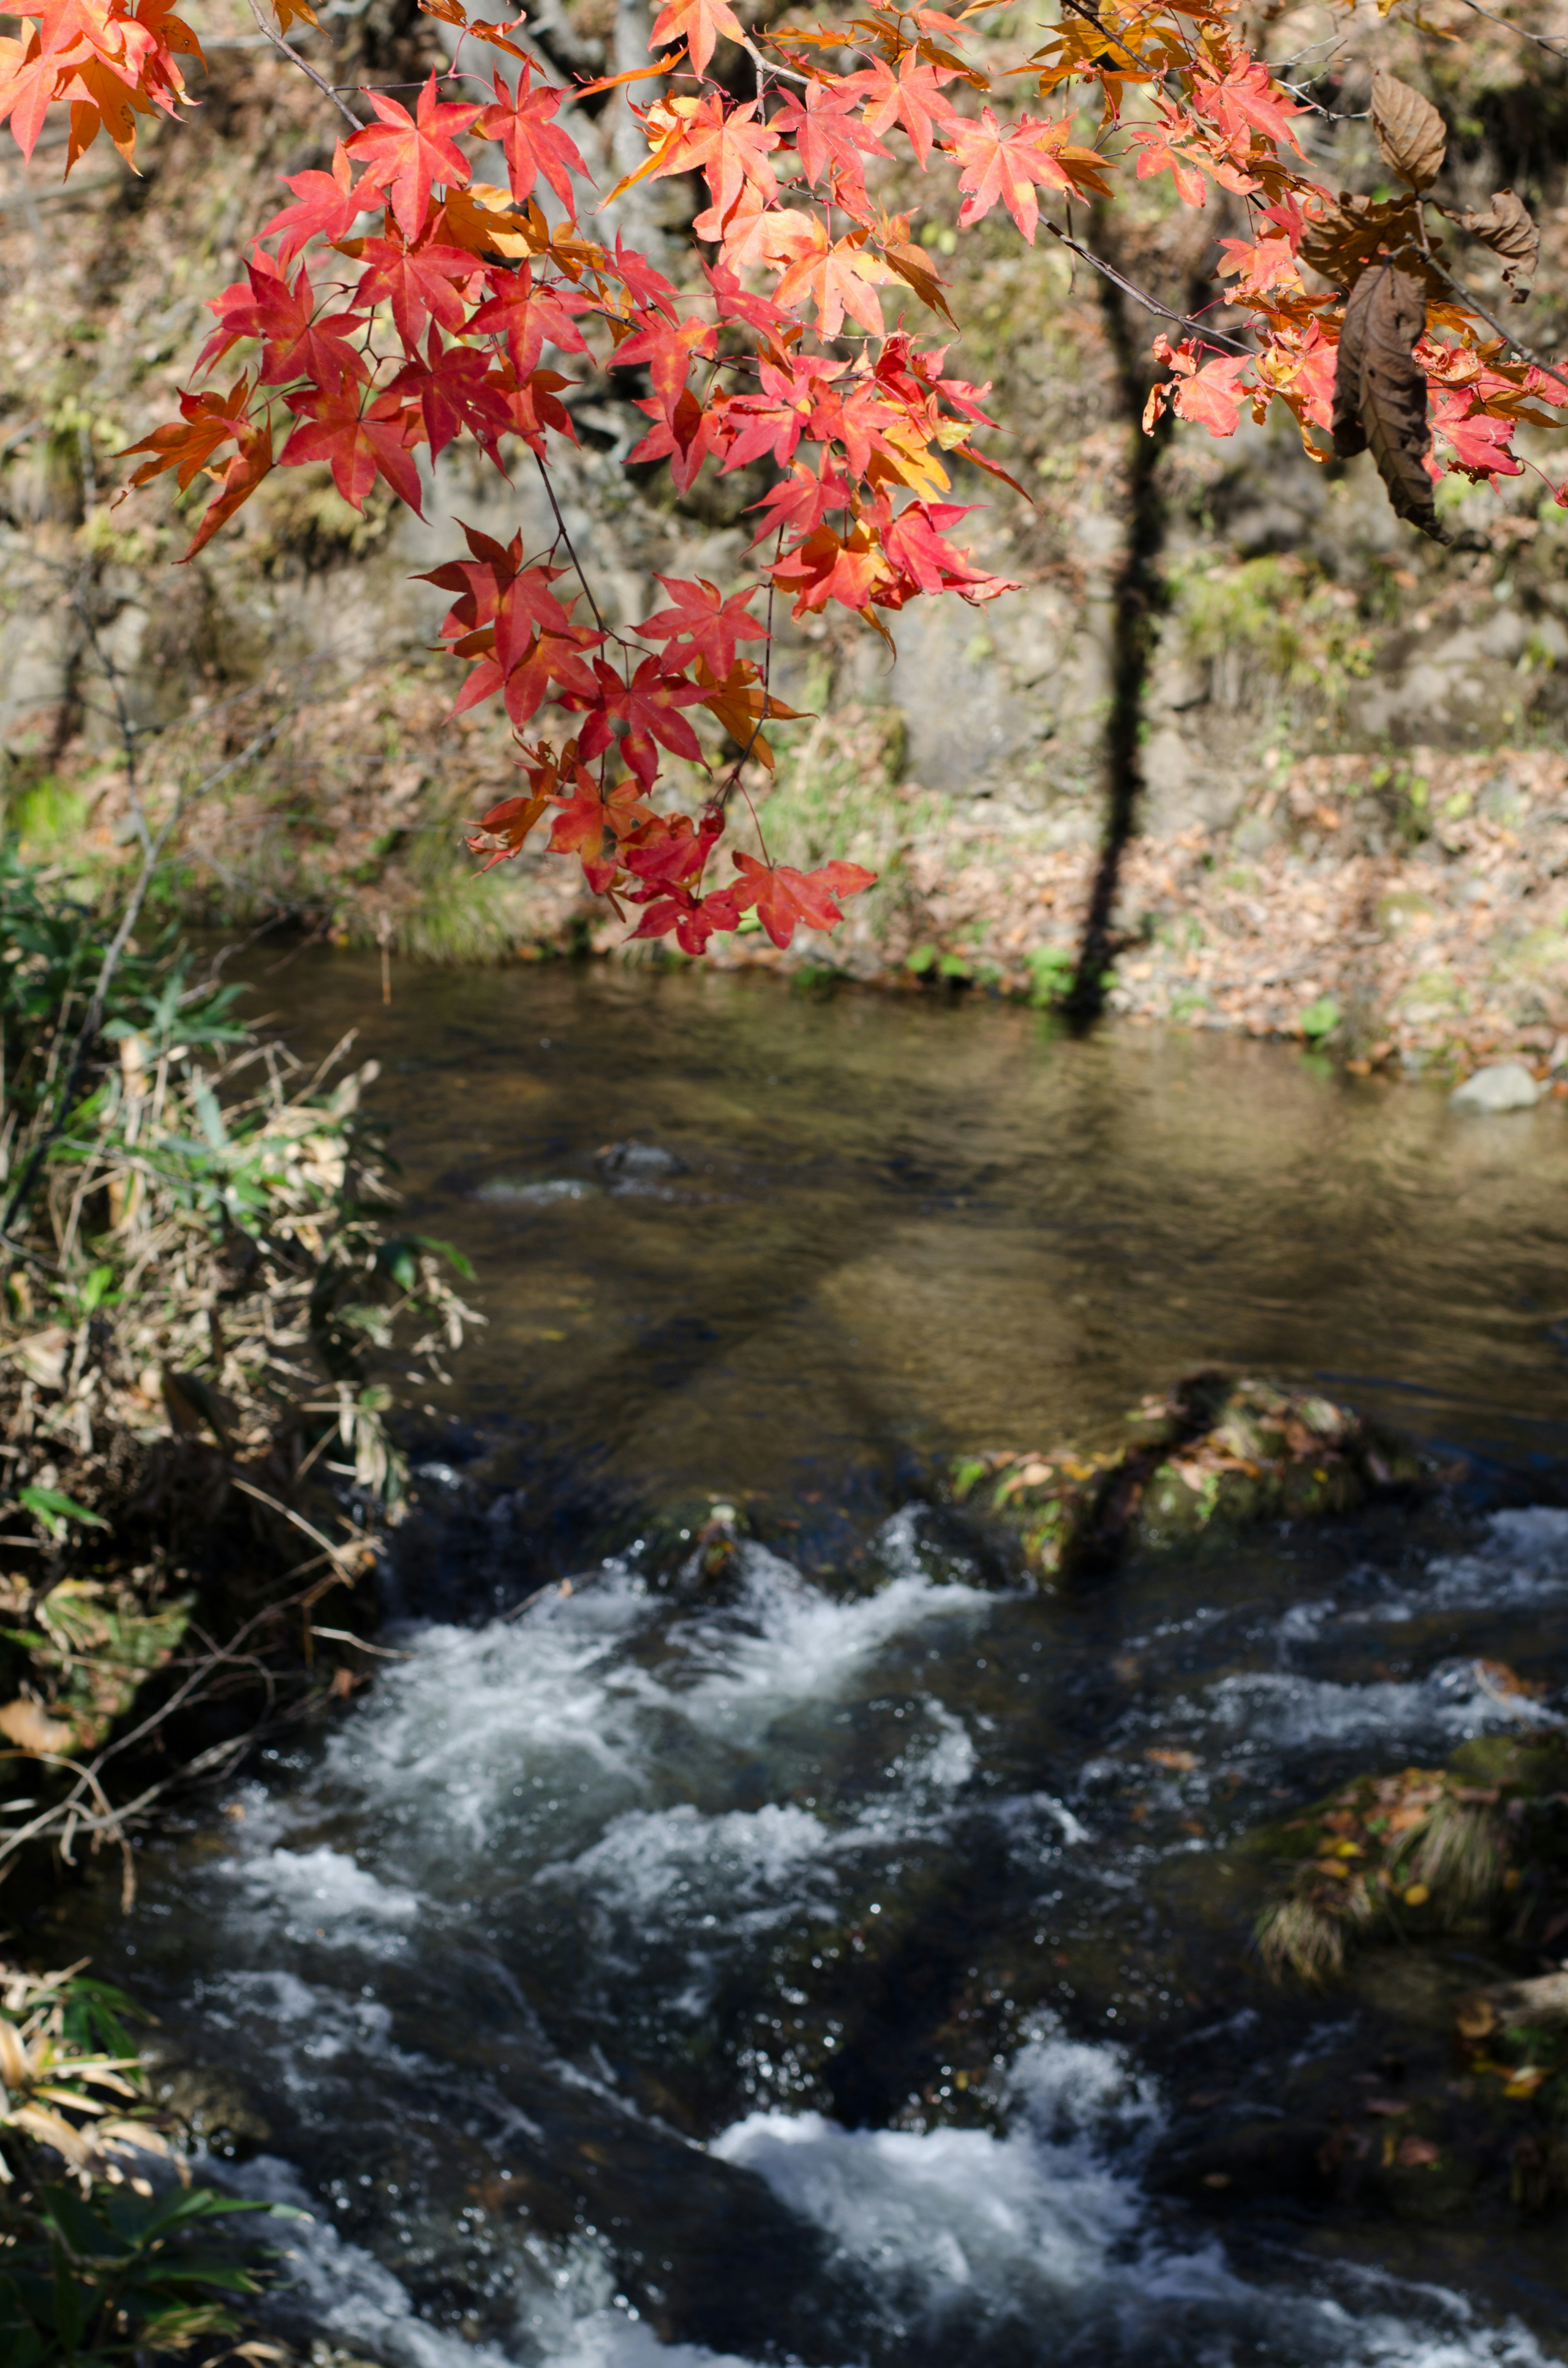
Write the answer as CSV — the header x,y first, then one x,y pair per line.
x,y
845,1959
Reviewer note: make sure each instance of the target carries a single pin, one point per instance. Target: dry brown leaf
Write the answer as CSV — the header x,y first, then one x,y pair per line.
x,y
1507,227
15,2071
1344,238
1411,135
28,1724
1379,395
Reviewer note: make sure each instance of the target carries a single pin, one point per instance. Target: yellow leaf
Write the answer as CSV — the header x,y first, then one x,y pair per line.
x,y
1417,1895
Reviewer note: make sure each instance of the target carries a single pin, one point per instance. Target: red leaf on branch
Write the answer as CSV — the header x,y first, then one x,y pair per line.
x,y
785,899
698,23
838,278
358,445
851,570
206,420
533,141
694,919
455,388
704,622
528,316
672,851
829,133
406,153
420,282
500,832
914,97
802,500
590,824
327,207
1004,165
298,341
241,477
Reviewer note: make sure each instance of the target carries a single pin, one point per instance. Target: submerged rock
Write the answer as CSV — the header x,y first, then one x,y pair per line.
x,y
637,1163
1212,1457
1506,1086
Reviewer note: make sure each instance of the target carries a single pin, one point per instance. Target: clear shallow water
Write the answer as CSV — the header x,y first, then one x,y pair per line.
x,y
817,1966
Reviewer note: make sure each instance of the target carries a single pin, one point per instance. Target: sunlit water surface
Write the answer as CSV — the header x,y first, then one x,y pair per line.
x,y
814,1965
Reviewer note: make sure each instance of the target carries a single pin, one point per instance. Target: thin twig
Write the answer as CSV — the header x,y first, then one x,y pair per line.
x,y
571,547
1546,41
1463,293
1150,304
305,67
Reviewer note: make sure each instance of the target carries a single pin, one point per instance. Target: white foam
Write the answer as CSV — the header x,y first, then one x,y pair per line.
x,y
1277,1711
1046,2225
324,1888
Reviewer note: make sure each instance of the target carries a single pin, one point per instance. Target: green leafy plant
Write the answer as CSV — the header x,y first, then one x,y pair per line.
x,y
98,2267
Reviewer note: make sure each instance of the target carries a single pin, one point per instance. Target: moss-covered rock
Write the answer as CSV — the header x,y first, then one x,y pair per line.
x,y
1209,1459
1399,1856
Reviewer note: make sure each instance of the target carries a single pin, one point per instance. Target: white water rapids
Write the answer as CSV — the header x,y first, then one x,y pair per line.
x,y
606,1818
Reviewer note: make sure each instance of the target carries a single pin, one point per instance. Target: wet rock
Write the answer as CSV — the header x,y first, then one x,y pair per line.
x,y
1505,1086
539,1192
218,2110
637,1163
1209,1459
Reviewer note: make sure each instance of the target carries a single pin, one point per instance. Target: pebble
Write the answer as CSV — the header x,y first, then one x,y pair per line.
x,y
1505,1086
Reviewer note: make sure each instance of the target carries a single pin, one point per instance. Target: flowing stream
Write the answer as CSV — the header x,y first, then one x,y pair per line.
x,y
812,1963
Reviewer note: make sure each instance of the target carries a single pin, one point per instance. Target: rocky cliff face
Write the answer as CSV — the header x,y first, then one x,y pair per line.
x,y
1337,744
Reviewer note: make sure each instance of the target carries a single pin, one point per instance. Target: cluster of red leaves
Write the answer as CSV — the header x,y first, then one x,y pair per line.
x,y
397,304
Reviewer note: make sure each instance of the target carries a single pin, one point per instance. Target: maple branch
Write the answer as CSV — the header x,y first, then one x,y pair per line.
x,y
571,547
764,65
1150,304
309,73
1546,41
1525,352
1092,16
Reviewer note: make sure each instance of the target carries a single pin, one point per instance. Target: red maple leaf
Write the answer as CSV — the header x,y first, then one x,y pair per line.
x,y
526,316
1004,165
1159,155
358,445
405,153
590,824
672,851
646,285
28,75
828,131
683,436
728,144
298,341
702,620
667,350
850,569
455,388
785,899
649,705
698,23
206,421
1249,96
500,832
838,278
244,472
420,283
802,500
694,919
327,207
532,142
913,98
